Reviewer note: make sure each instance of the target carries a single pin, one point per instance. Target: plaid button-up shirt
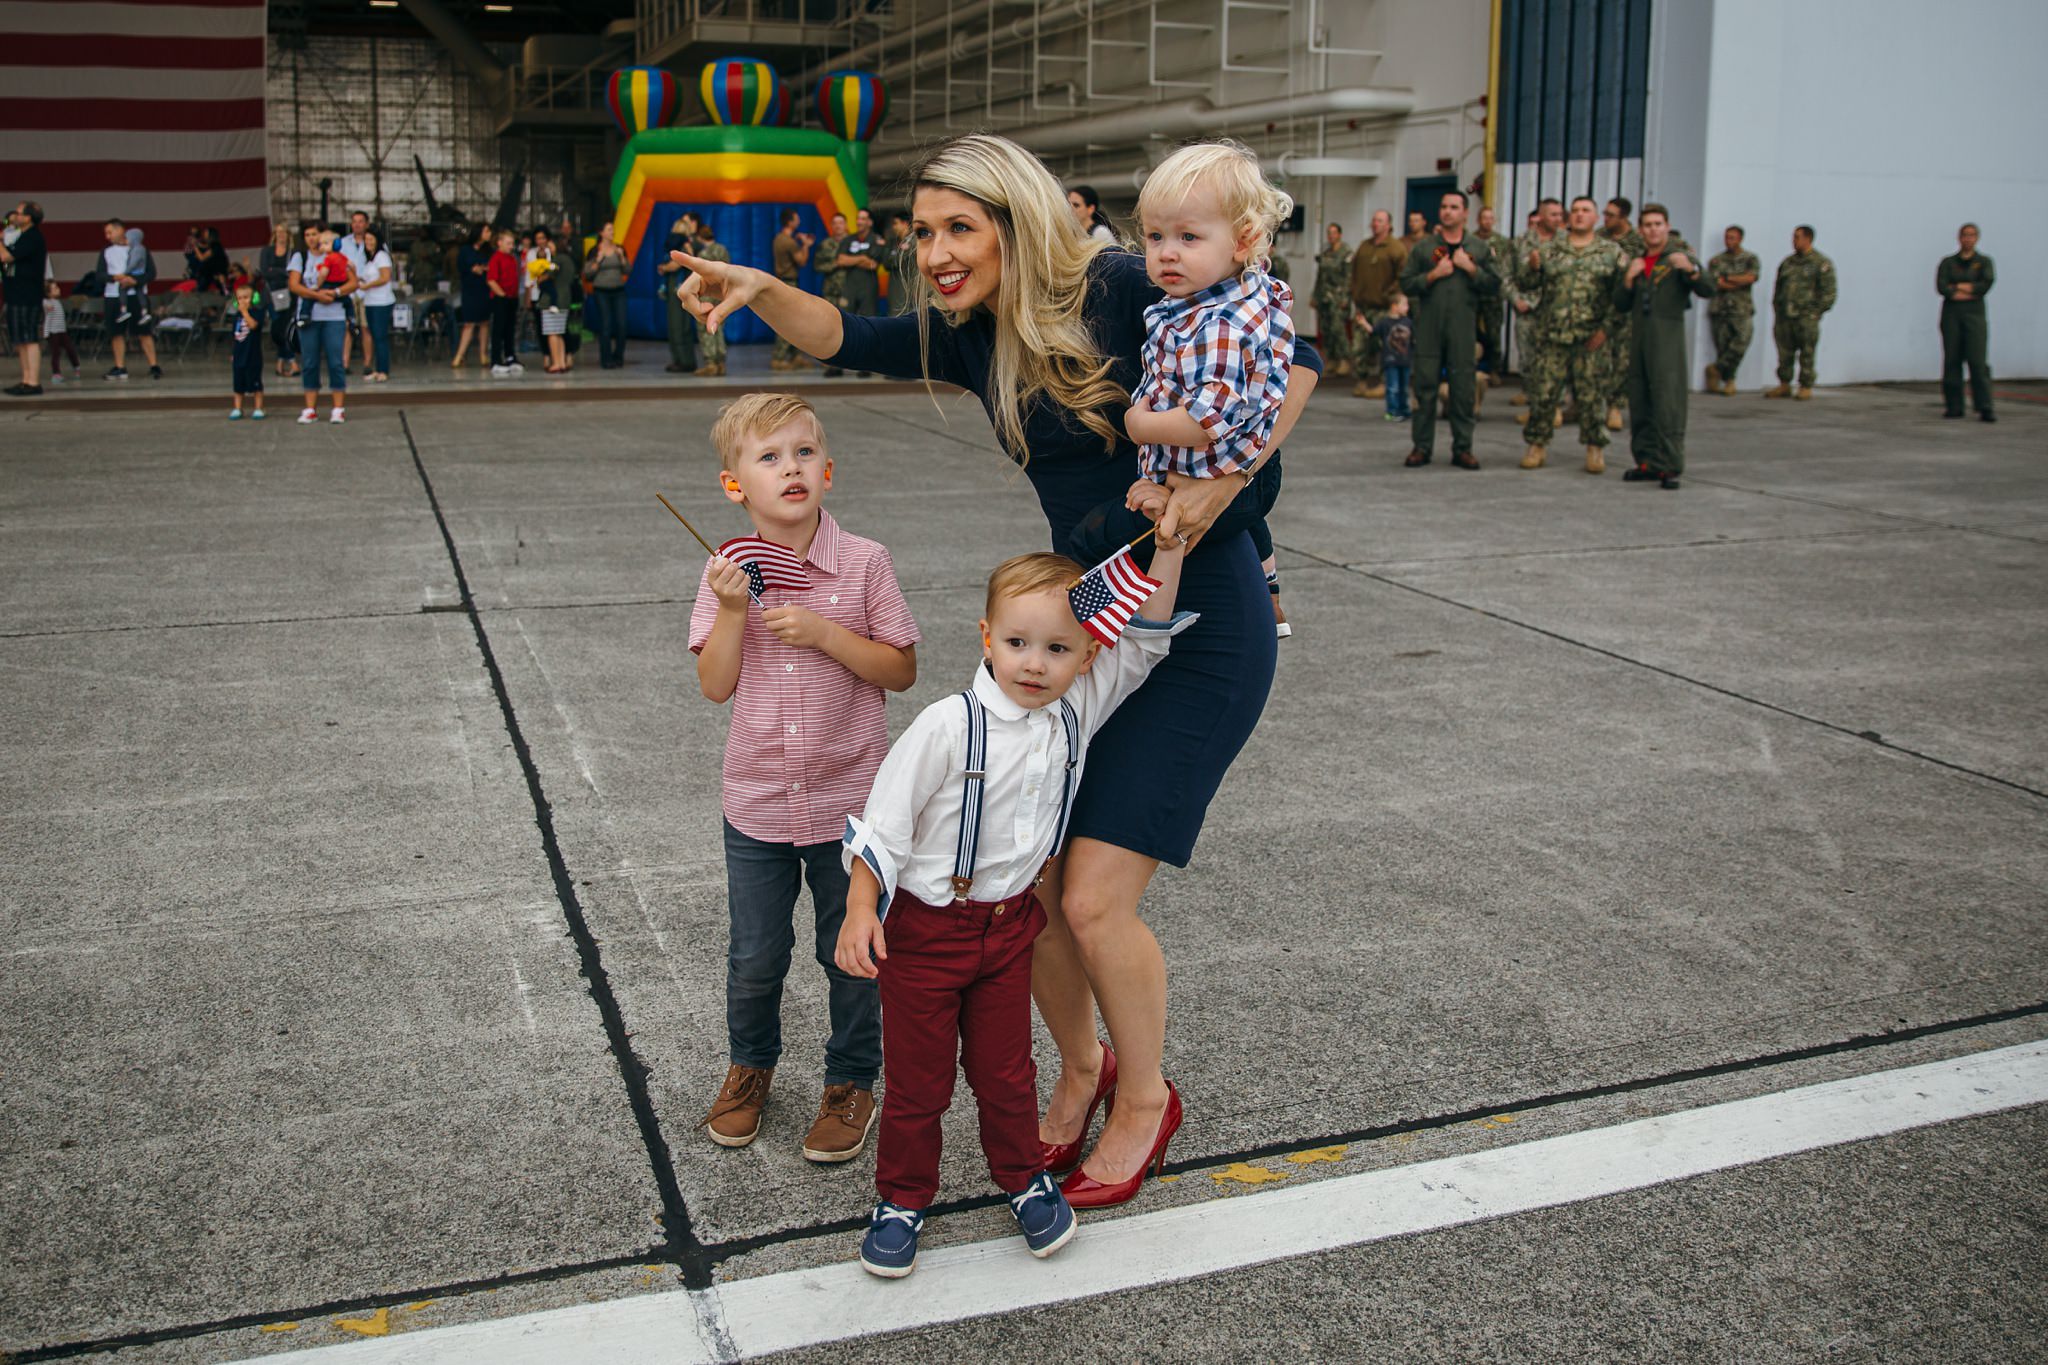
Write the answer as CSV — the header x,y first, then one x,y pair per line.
x,y
1223,354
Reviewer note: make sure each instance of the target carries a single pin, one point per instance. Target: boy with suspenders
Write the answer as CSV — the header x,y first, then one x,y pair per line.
x,y
965,812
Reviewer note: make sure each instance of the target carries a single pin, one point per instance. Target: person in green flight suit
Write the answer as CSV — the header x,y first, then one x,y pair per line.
x,y
1732,312
1333,297
1657,290
1963,280
1805,289
899,258
711,344
1448,272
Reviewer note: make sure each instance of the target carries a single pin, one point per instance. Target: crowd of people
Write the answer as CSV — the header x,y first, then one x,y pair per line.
x,y
1599,303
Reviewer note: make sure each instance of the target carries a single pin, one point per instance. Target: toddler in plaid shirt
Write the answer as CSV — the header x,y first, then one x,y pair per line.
x,y
1221,341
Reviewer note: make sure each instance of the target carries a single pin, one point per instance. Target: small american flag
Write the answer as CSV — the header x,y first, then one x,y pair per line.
x,y
1109,594
767,564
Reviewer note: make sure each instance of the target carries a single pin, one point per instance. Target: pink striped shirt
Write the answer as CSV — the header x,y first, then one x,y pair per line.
x,y
807,735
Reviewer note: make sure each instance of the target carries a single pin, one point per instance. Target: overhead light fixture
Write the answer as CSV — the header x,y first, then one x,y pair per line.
x,y
497,9
383,4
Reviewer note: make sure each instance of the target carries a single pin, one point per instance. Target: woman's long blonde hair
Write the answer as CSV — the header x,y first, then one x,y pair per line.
x,y
1043,344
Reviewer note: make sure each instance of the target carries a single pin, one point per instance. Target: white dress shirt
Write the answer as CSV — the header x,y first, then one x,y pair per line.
x,y
911,827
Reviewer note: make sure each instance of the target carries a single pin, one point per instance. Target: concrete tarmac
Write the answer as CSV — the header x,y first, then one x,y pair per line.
x,y
365,908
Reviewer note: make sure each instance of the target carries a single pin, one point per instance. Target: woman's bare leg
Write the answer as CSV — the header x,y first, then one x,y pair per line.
x,y
462,344
1099,904
1059,986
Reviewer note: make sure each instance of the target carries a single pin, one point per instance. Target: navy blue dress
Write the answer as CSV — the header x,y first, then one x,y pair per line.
x,y
1154,766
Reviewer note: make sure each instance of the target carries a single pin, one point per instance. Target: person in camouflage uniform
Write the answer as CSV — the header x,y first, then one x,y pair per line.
x,y
1375,276
1544,223
1491,306
1333,298
1731,311
1658,288
710,344
831,272
1575,273
792,249
859,255
899,258
1805,289
1448,273
1616,227
1963,280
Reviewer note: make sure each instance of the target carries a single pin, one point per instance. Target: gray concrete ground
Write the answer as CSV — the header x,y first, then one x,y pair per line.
x,y
1564,783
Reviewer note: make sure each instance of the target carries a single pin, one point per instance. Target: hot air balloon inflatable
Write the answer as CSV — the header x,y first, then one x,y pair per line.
x,y
741,174
643,97
851,104
742,92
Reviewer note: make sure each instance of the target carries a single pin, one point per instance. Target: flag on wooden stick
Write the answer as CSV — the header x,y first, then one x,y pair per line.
x,y
767,564
1108,595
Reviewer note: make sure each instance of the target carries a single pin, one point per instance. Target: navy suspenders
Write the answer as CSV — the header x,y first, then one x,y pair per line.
x,y
976,772
970,805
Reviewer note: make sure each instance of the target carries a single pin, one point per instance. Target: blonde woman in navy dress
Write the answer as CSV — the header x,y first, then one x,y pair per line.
x,y
1047,327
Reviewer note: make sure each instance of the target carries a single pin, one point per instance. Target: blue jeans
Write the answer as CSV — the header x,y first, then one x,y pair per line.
x,y
317,339
609,318
762,881
378,315
1397,377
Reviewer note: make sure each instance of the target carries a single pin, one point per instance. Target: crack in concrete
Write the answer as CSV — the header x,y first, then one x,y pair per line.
x,y
1871,736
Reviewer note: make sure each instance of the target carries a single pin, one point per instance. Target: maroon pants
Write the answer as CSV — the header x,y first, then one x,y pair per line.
x,y
957,982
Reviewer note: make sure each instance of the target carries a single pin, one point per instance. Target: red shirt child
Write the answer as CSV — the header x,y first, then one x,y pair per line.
x,y
504,272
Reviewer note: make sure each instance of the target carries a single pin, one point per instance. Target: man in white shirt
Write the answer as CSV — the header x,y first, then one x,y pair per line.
x,y
126,305
357,250
962,818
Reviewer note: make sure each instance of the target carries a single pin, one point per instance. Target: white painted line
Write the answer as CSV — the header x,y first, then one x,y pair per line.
x,y
809,1307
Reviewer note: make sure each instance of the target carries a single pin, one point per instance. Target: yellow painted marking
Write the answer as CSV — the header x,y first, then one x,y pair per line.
x,y
416,1307
279,1327
1168,1179
1243,1174
378,1324
1315,1154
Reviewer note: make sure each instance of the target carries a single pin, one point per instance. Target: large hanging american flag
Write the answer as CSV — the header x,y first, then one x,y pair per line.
x,y
140,110
1108,595
768,565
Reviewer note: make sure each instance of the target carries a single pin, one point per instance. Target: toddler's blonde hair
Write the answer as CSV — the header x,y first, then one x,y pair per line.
x,y
1229,173
1025,574
757,414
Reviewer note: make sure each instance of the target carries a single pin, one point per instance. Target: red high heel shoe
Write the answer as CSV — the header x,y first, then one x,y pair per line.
x,y
1059,1158
1084,1191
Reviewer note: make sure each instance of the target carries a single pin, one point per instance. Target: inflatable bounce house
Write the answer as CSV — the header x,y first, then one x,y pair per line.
x,y
740,173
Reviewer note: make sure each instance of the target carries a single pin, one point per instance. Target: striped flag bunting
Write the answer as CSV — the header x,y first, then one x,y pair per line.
x,y
145,111
768,565
1109,594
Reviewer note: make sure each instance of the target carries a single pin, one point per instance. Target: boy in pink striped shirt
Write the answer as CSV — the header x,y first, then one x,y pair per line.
x,y
805,670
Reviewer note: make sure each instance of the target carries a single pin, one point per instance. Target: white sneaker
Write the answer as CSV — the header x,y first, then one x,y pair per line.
x,y
517,368
308,417
56,379
500,371
336,419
